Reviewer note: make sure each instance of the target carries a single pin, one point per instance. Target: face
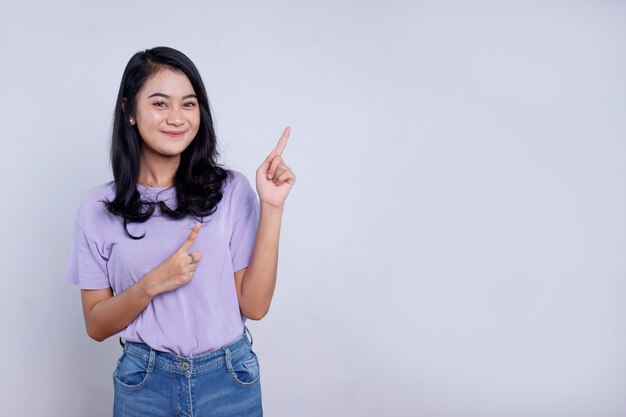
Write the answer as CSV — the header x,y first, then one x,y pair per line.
x,y
167,114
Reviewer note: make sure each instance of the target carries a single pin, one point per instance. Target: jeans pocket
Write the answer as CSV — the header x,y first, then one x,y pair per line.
x,y
245,369
132,372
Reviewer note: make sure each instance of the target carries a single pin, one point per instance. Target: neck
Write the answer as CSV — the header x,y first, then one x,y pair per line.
x,y
158,170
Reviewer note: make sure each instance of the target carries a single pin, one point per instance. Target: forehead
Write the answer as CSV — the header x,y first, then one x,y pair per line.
x,y
167,81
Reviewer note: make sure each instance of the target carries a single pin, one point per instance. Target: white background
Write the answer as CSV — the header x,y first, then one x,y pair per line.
x,y
454,244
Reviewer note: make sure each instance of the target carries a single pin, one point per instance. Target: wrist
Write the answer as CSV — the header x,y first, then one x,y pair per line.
x,y
270,209
147,287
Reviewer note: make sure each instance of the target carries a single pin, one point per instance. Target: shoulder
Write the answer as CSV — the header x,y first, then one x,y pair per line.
x,y
238,191
237,183
235,177
94,196
92,204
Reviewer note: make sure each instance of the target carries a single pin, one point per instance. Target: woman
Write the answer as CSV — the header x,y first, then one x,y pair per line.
x,y
176,253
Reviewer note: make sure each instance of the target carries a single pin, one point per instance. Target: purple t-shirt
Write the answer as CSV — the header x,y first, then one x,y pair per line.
x,y
198,317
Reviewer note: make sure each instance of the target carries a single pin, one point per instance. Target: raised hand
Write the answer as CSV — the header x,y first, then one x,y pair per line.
x,y
178,268
274,179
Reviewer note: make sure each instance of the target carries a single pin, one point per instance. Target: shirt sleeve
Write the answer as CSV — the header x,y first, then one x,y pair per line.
x,y
245,225
87,266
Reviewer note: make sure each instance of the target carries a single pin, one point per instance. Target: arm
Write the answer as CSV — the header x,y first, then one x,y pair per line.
x,y
106,315
255,284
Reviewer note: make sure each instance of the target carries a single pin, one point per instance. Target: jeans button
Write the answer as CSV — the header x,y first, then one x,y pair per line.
x,y
185,366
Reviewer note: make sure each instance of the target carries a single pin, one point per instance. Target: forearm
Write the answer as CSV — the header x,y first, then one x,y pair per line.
x,y
111,315
259,280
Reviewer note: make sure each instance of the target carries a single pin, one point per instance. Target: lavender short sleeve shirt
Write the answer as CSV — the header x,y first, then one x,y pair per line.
x,y
198,317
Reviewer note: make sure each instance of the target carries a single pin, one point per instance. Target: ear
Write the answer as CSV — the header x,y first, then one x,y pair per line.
x,y
132,121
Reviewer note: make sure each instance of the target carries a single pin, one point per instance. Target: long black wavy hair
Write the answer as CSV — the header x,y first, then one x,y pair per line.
x,y
199,178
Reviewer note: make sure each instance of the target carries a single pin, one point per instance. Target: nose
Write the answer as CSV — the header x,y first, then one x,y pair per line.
x,y
174,117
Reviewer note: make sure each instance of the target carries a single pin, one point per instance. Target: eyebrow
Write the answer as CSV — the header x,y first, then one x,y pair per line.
x,y
166,96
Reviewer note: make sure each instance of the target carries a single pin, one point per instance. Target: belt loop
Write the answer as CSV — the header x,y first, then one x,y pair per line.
x,y
122,343
246,330
151,360
229,364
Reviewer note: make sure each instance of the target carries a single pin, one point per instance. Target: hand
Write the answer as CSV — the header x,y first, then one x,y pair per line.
x,y
274,179
176,270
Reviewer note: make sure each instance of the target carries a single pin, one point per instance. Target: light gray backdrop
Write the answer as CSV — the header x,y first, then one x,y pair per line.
x,y
454,245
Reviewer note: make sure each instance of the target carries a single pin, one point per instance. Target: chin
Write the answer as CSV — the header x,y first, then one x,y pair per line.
x,y
171,152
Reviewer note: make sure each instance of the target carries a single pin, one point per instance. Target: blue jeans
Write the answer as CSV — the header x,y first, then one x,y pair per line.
x,y
222,383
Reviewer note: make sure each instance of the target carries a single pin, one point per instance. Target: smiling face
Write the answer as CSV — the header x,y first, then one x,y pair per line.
x,y
167,114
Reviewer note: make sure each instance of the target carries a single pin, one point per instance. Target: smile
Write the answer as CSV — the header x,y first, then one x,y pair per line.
x,y
175,134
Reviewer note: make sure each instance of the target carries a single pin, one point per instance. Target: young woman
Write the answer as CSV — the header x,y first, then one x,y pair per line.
x,y
176,253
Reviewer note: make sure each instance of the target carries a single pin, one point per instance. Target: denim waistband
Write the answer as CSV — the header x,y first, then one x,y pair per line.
x,y
188,365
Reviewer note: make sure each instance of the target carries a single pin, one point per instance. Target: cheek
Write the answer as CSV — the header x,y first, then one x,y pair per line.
x,y
148,120
195,123
196,118
154,118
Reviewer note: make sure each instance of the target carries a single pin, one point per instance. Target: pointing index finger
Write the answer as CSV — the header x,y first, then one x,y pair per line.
x,y
282,142
191,238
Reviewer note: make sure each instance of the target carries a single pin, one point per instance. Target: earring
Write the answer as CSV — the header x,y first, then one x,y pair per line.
x,y
132,121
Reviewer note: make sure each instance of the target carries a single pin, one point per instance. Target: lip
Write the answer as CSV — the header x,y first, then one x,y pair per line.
x,y
174,134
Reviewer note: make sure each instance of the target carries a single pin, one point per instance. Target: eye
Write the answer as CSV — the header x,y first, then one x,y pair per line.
x,y
159,104
191,104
